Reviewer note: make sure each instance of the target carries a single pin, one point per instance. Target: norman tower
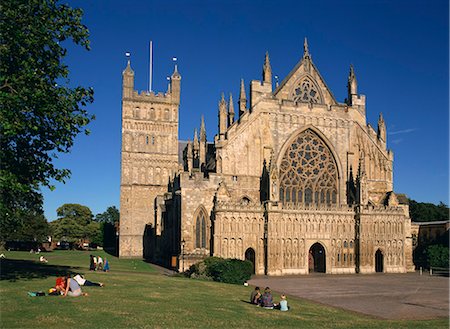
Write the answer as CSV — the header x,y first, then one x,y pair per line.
x,y
149,157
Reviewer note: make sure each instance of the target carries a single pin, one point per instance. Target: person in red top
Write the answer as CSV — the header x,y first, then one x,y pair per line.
x,y
60,284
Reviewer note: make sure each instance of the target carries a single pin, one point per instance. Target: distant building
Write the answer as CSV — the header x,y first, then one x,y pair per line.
x,y
294,181
426,233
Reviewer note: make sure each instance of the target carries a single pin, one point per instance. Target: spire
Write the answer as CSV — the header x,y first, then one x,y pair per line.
x,y
306,49
196,144
242,99
381,133
203,131
267,70
175,73
189,150
352,85
230,111
222,116
203,146
189,156
175,85
128,79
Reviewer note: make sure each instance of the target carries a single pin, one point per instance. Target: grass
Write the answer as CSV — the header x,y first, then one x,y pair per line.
x,y
136,295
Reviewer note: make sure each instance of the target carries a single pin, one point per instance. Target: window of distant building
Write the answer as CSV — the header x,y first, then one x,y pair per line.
x,y
200,230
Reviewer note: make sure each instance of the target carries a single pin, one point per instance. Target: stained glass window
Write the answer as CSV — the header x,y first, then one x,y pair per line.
x,y
308,172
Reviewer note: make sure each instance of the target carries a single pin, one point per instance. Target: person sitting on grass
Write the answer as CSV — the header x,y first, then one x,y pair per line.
x,y
267,299
283,305
83,282
106,266
60,285
255,295
73,289
99,263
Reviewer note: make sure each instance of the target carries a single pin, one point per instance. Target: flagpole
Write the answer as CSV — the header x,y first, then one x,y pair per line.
x,y
151,67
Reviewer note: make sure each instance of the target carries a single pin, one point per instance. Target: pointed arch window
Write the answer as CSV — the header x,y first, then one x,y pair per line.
x,y
200,230
309,170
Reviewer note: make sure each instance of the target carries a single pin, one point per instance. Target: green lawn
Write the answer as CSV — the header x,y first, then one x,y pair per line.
x,y
138,296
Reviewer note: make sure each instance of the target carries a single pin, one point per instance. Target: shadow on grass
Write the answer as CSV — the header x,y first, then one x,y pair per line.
x,y
14,269
246,301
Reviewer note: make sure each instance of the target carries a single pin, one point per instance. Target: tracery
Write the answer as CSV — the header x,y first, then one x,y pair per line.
x,y
308,172
306,92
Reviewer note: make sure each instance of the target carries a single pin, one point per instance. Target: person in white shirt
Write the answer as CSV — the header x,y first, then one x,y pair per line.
x,y
99,263
83,282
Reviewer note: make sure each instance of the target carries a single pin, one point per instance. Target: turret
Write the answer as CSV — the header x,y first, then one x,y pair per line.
x,y
242,100
128,81
175,85
353,99
222,117
381,133
230,111
267,70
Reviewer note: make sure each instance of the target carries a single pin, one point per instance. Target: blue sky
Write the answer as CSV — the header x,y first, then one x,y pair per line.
x,y
400,51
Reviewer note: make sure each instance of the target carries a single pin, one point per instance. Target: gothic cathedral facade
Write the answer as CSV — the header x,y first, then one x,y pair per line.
x,y
294,181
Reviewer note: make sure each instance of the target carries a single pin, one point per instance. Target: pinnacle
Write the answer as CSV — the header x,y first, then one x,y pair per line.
x,y
305,48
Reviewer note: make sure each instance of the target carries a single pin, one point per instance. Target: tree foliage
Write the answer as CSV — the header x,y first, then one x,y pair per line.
x,y
438,255
111,215
41,113
81,214
428,212
33,227
75,224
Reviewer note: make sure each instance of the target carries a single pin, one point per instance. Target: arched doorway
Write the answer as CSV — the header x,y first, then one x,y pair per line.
x,y
250,256
379,261
317,258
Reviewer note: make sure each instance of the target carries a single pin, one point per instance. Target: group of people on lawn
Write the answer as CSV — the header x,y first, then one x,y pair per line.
x,y
71,286
266,300
96,264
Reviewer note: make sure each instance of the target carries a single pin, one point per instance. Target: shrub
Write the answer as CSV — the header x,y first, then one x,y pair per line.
x,y
437,256
222,270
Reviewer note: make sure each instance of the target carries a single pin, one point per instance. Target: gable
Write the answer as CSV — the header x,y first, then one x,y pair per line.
x,y
304,84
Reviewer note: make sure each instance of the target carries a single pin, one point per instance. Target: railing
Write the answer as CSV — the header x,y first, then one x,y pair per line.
x,y
442,271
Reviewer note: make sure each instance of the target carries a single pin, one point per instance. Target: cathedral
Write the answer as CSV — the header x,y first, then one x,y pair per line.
x,y
294,181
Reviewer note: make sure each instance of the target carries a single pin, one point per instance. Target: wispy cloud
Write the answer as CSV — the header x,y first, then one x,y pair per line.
x,y
404,131
397,141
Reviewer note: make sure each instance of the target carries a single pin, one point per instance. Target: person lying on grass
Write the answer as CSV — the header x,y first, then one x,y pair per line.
x,y
83,282
73,289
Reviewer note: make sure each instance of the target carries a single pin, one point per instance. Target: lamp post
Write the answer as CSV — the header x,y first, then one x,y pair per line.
x,y
182,254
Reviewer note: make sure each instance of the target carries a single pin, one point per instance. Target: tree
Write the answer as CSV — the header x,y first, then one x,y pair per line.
x,y
41,113
111,215
109,221
81,214
34,227
75,224
427,212
438,255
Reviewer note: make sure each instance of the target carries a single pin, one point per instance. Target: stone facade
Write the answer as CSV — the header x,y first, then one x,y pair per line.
x,y
294,182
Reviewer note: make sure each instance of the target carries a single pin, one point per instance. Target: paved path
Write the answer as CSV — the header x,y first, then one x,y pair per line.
x,y
388,296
